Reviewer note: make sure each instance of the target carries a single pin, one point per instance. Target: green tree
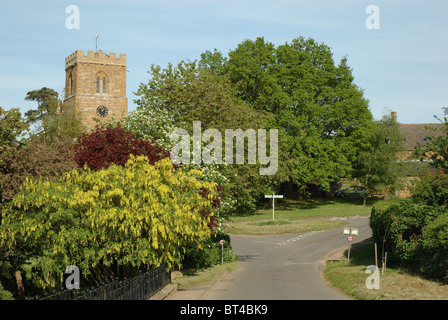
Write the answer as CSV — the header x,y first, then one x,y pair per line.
x,y
52,119
379,167
187,93
12,127
47,102
322,115
213,61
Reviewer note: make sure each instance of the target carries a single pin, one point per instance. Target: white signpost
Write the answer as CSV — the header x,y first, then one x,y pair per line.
x,y
273,196
351,232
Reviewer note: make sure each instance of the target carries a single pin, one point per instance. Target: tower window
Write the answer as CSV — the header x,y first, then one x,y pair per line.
x,y
104,85
97,84
70,84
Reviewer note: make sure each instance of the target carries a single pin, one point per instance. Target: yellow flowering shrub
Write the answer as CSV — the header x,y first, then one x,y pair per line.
x,y
136,215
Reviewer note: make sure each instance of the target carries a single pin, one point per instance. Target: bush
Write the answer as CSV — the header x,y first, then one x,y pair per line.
x,y
432,189
35,160
4,294
107,145
406,230
417,228
434,250
381,218
210,254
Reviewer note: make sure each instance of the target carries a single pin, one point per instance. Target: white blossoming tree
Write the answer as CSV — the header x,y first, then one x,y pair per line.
x,y
156,124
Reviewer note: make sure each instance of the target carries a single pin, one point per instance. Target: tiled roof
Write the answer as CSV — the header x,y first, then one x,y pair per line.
x,y
417,132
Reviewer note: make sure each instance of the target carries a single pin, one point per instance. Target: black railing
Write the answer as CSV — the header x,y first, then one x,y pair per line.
x,y
140,287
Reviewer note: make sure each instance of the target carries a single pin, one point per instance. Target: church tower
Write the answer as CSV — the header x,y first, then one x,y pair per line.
x,y
95,84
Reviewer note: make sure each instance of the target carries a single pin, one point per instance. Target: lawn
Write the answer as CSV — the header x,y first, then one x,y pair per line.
x,y
292,216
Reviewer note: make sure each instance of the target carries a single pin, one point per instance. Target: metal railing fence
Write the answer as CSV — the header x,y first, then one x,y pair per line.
x,y
140,287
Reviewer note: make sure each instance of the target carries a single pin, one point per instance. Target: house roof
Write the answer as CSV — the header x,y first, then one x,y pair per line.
x,y
417,132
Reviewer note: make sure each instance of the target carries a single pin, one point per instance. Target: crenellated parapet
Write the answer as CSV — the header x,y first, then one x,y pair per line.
x,y
98,57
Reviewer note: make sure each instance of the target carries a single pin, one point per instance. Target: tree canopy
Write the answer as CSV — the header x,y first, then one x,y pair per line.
x,y
51,123
12,125
322,114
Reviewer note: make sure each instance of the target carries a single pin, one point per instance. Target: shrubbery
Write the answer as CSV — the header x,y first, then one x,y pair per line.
x,y
416,229
432,189
119,218
434,248
107,145
118,213
4,294
210,253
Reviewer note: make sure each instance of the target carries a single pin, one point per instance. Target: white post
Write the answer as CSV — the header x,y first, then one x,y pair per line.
x,y
222,242
273,196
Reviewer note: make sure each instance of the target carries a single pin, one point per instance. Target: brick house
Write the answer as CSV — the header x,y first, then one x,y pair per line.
x,y
415,133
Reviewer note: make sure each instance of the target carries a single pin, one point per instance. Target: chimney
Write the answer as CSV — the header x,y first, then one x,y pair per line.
x,y
393,114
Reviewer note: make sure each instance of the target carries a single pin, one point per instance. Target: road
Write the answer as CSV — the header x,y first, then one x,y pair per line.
x,y
281,267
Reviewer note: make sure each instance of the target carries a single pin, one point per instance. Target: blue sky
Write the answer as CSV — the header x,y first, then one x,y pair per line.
x,y
402,66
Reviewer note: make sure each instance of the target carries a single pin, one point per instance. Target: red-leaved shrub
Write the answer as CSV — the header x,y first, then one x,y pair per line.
x,y
107,145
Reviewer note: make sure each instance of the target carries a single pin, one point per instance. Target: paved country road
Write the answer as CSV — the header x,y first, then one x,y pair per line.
x,y
280,267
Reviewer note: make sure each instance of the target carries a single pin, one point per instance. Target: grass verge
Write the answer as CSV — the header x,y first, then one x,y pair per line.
x,y
292,216
395,284
193,277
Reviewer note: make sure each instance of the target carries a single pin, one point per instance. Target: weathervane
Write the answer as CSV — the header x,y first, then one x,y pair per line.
x,y
96,43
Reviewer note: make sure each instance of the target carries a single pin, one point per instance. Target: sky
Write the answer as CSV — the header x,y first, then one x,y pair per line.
x,y
401,64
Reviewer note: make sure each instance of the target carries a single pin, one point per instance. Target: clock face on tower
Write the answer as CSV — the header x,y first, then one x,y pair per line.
x,y
102,111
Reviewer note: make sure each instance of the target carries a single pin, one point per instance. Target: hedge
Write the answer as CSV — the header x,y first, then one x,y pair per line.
x,y
434,249
416,233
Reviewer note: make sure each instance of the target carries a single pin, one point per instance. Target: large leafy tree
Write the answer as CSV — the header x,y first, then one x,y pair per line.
x,y
322,114
51,118
47,100
188,92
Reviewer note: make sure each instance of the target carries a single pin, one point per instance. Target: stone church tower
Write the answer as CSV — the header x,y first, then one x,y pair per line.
x,y
95,84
